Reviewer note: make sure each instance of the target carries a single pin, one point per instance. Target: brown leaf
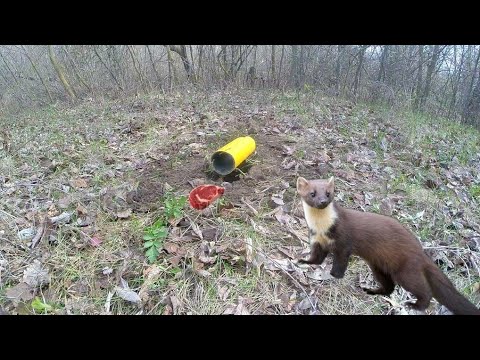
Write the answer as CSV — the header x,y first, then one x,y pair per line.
x,y
278,264
324,156
287,150
171,247
64,202
203,273
196,182
207,259
196,230
124,214
84,221
351,157
288,300
78,183
64,217
239,309
19,292
168,310
95,241
81,211
175,304
109,160
386,207
150,274
476,287
282,216
277,200
175,260
52,211
35,275
367,196
211,234
304,304
287,252
319,274
358,197
223,292
126,293
347,175
31,215
289,165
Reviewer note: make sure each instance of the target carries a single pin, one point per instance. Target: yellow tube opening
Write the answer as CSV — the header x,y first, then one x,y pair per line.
x,y
223,162
227,158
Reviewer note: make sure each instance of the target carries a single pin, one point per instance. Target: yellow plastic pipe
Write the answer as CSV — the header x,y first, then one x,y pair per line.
x,y
227,158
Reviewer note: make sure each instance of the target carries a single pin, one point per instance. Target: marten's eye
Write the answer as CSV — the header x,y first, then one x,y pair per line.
x,y
313,193
328,193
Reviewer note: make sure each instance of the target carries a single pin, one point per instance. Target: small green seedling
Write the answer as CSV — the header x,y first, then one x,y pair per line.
x,y
41,307
174,206
475,191
154,236
156,233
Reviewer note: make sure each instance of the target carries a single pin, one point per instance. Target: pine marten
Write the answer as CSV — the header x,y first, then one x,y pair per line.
x,y
392,252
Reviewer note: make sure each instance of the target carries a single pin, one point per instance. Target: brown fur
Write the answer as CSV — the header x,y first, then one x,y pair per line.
x,y
393,253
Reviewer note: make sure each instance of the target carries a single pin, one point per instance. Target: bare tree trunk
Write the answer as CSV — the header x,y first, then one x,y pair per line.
x,y
222,55
472,114
76,72
428,80
294,67
301,66
383,63
418,94
137,69
456,81
106,67
60,73
280,66
468,102
38,74
8,68
338,67
224,60
358,73
182,51
193,72
172,72
200,62
273,65
152,63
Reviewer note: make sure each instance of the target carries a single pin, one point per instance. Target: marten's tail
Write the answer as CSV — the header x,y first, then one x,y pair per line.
x,y
446,294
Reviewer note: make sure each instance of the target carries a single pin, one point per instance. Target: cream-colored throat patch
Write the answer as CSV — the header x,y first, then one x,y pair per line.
x,y
320,221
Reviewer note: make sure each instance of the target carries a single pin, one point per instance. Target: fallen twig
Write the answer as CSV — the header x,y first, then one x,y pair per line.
x,y
38,235
250,207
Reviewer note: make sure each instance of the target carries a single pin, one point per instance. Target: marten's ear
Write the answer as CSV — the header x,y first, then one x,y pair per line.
x,y
331,181
301,183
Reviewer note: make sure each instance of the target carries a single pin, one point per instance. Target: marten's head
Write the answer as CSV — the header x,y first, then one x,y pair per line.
x,y
316,193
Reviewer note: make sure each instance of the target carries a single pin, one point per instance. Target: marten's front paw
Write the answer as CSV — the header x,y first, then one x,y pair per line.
x,y
415,306
372,291
303,261
336,273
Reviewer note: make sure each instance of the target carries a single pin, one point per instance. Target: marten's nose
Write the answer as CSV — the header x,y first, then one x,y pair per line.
x,y
323,202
